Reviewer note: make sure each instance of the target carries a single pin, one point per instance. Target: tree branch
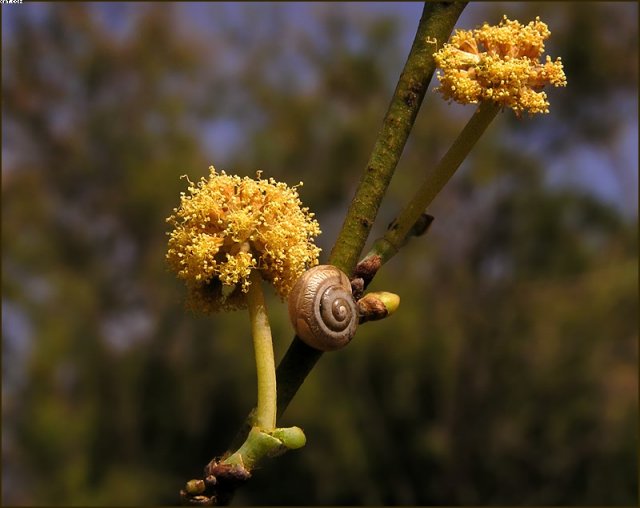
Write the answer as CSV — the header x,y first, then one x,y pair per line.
x,y
436,24
435,27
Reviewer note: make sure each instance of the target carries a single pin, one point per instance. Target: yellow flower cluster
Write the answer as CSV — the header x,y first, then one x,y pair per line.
x,y
500,64
227,226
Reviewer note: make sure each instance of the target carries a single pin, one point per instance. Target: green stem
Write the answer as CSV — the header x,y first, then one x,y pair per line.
x,y
400,229
436,24
434,29
265,414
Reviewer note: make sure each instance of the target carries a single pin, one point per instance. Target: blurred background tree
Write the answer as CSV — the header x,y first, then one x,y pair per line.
x,y
509,374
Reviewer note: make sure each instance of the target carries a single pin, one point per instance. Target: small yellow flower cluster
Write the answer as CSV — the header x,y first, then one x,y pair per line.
x,y
500,64
227,226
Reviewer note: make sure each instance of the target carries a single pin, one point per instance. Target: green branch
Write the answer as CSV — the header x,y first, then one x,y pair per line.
x,y
436,24
401,228
260,438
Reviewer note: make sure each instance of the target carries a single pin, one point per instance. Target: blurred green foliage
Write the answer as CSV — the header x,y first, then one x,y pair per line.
x,y
509,373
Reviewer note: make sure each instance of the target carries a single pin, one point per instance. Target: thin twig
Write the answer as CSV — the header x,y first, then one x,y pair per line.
x,y
403,227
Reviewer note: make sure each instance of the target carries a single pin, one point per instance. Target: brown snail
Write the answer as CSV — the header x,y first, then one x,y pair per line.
x,y
322,310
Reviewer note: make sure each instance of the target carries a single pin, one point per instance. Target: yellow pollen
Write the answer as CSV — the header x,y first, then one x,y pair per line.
x,y
499,64
227,226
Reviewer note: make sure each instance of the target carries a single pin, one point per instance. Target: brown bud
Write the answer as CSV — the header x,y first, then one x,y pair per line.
x,y
377,305
195,487
367,268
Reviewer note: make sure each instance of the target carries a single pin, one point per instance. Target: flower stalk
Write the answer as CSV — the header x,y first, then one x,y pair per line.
x,y
401,228
265,414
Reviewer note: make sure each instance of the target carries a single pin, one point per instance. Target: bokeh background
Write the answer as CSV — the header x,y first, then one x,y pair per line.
x,y
509,374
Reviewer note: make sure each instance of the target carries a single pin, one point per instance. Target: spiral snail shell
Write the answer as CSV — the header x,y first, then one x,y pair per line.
x,y
322,309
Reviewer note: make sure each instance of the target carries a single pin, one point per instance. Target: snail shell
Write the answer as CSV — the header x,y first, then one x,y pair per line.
x,y
322,309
